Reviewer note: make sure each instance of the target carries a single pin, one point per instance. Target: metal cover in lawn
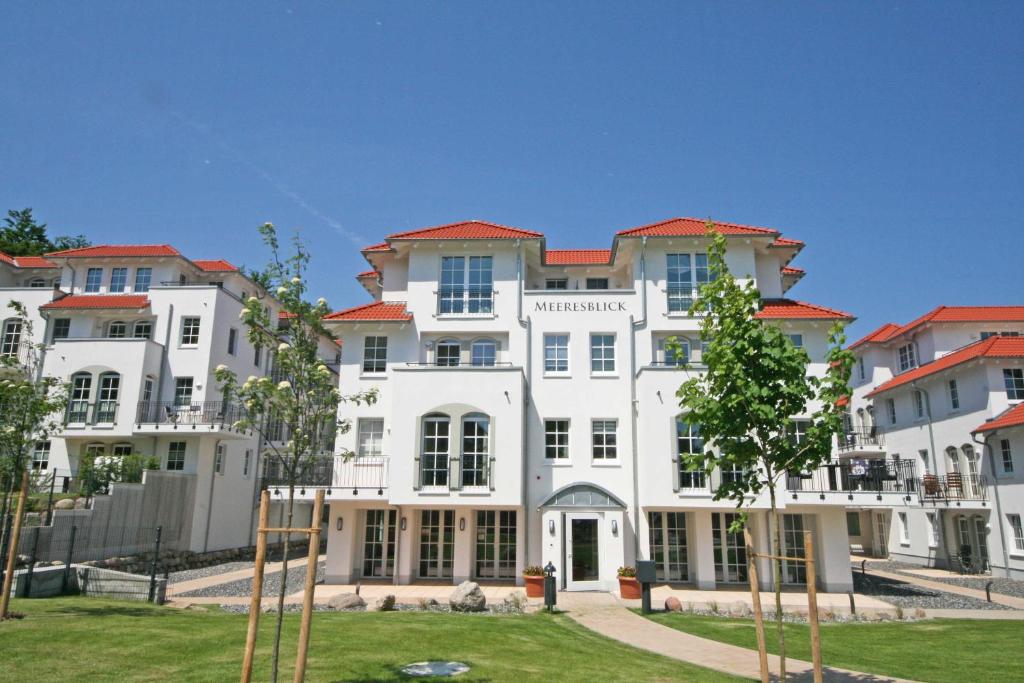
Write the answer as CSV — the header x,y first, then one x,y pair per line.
x,y
435,669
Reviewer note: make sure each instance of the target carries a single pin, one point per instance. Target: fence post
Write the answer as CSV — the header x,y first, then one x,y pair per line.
x,y
49,501
152,566
31,564
67,560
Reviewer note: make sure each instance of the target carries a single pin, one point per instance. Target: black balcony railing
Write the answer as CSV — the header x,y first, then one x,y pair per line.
x,y
953,486
459,364
855,476
355,473
191,413
454,473
862,439
85,413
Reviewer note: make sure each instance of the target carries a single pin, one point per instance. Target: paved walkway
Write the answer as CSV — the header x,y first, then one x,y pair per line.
x,y
792,600
605,614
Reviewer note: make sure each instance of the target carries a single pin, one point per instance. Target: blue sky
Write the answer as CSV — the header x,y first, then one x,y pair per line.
x,y
888,136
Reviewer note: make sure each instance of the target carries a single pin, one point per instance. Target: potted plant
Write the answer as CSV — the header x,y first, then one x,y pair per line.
x,y
534,578
629,587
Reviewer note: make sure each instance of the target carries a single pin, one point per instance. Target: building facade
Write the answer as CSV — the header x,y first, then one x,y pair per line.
x,y
527,412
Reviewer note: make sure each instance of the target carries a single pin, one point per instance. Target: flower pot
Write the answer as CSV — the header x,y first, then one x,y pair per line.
x,y
534,586
629,588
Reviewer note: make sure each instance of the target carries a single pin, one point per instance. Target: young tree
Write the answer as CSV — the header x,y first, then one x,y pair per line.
x,y
303,396
31,408
756,384
22,236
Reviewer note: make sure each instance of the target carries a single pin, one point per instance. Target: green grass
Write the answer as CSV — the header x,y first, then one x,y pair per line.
x,y
935,651
106,640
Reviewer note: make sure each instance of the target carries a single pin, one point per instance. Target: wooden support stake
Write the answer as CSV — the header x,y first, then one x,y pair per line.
x,y
812,607
255,603
12,550
755,594
307,600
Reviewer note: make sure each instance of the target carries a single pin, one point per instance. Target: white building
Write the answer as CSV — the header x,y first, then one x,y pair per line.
x,y
924,393
527,412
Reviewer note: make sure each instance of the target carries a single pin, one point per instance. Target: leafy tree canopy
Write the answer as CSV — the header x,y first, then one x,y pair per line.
x,y
21,235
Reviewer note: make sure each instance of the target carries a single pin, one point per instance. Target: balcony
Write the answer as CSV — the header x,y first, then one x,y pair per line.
x,y
207,416
861,441
440,474
868,482
344,478
954,487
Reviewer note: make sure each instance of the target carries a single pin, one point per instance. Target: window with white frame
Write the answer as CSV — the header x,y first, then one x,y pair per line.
x,y
1014,380
603,439
11,338
467,285
597,283
247,462
93,279
685,274
190,331
61,328
556,439
81,391
797,340
476,430
675,351
375,354
602,353
218,459
904,528
556,283
257,355
448,353
117,329
1004,333
860,368
918,403
890,407
689,442
434,457
1007,455
232,341
37,282
484,353
120,450
907,356
106,402
954,395
41,456
556,353
118,280
143,329
143,278
1017,530
370,436
925,466
147,390
183,391
933,530
176,456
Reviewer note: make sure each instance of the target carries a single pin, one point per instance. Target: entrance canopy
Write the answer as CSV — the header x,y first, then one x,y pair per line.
x,y
583,495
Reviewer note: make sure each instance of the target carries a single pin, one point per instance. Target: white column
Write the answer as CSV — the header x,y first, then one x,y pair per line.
x,y
702,555
551,544
832,550
405,569
341,545
465,522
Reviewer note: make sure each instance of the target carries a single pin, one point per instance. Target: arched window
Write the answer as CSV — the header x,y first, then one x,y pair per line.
x,y
954,459
448,352
675,351
119,450
484,353
37,282
434,454
118,329
11,339
476,430
688,442
106,400
972,485
81,392
143,329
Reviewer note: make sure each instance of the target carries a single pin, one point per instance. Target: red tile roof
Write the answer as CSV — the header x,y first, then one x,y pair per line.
x,y
790,309
786,242
883,333
993,347
26,261
383,246
577,257
378,310
100,301
368,273
685,227
215,265
966,314
1012,417
116,250
472,230
790,270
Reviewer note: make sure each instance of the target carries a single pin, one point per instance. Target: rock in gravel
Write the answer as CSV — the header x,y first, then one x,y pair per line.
x,y
467,597
739,609
346,601
64,504
385,604
672,604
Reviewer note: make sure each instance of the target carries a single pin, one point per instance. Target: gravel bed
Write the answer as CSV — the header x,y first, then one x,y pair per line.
x,y
212,570
907,595
492,610
271,584
1001,585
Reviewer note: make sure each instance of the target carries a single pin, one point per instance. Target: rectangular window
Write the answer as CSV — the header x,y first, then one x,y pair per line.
x,y
375,354
675,351
61,328
466,290
371,437
933,530
93,279
918,404
1018,532
890,405
954,395
190,331
118,280
556,353
143,276
556,439
797,339
143,329
1007,454
218,459
923,454
860,368
853,524
232,341
604,439
904,529
686,273
41,455
1014,380
11,339
434,457
247,462
597,283
175,456
556,283
257,355
602,353
689,443
907,357
1004,333
183,391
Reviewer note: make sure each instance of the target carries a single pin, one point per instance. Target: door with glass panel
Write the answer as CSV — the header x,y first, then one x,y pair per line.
x,y
730,552
81,392
793,527
437,543
583,551
434,459
475,451
880,542
667,532
379,544
495,544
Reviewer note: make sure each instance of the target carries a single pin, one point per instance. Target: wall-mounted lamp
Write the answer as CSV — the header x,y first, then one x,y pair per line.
x,y
551,527
615,527
340,524
402,524
462,523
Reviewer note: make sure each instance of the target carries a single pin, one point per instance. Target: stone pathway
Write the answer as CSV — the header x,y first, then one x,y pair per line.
x,y
605,614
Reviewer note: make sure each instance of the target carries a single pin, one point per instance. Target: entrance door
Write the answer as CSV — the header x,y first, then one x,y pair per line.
x,y
379,544
972,533
582,551
495,544
437,544
730,551
880,540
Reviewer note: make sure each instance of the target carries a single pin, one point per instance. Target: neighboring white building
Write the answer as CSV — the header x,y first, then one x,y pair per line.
x,y
528,415
923,393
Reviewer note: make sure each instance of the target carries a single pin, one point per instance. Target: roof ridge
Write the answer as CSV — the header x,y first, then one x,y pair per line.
x,y
757,228
406,233
91,247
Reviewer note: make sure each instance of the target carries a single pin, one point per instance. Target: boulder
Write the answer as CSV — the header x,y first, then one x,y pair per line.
x,y
739,609
346,601
672,604
385,604
467,597
79,503
64,504
515,602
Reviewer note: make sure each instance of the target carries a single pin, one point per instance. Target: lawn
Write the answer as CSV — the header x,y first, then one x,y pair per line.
x,y
106,640
935,651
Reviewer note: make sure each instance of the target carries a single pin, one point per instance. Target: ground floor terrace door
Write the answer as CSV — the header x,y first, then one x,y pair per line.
x,y
379,544
583,552
880,539
495,544
972,534
437,544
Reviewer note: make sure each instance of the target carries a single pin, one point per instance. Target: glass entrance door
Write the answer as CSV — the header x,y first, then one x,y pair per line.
x,y
495,544
437,543
880,542
379,544
583,552
730,551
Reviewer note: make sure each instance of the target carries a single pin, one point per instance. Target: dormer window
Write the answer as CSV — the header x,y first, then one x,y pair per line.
x,y
597,283
467,285
93,279
118,280
143,277
685,274
907,357
37,282
556,283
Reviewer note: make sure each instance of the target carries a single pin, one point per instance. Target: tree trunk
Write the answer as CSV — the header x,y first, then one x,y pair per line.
x,y
284,584
777,552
